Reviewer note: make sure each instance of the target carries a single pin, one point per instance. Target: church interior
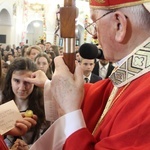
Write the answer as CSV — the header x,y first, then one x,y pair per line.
x,y
33,21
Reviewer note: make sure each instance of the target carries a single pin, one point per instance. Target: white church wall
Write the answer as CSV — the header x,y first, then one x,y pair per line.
x,y
18,27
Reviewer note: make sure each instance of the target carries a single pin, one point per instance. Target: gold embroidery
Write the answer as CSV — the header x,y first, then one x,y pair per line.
x,y
111,101
134,66
100,1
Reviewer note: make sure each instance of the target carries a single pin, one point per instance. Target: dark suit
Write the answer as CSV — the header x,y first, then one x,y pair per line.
x,y
109,70
94,78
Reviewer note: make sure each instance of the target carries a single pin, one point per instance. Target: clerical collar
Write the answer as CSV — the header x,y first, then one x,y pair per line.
x,y
132,66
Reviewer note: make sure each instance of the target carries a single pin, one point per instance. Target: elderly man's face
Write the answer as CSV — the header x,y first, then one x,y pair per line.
x,y
105,31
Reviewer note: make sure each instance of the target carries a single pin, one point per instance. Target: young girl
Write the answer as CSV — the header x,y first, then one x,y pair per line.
x,y
43,63
26,96
51,56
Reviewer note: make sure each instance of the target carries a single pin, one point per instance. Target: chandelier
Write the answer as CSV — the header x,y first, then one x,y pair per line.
x,y
37,1
37,7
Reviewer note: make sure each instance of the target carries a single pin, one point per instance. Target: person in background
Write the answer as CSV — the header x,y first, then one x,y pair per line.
x,y
32,51
13,46
26,96
78,57
48,47
3,72
5,67
9,49
21,44
9,58
24,50
51,56
43,63
16,54
87,66
112,113
42,46
19,51
61,51
4,55
1,49
55,49
77,47
103,68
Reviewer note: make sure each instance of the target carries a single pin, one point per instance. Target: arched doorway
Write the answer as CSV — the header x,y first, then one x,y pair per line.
x,y
5,27
34,32
79,35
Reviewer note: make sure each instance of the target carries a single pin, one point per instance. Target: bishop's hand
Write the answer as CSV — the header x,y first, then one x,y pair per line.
x,y
67,88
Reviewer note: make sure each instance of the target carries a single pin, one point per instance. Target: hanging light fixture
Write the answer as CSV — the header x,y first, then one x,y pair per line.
x,y
37,7
38,1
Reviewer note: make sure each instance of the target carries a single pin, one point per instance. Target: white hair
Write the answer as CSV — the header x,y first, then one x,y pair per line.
x,y
138,14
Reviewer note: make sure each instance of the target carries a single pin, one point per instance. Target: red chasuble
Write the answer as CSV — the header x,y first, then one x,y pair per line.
x,y
2,144
126,126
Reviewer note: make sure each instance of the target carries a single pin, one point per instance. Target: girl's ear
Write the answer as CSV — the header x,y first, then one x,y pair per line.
x,y
120,26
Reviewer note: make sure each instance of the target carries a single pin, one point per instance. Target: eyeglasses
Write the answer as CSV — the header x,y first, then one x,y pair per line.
x,y
91,28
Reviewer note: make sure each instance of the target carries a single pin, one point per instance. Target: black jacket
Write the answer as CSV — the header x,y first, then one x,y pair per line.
x,y
96,69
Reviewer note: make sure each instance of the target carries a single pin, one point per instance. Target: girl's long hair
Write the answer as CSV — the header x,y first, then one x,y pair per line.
x,y
35,99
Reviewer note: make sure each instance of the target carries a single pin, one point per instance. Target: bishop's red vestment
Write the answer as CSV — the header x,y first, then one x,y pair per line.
x,y
126,125
115,113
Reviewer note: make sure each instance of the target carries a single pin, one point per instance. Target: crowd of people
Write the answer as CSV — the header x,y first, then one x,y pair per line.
x,y
8,54
16,64
43,55
20,62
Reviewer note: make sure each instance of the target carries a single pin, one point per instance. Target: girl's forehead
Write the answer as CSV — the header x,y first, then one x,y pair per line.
x,y
22,73
42,57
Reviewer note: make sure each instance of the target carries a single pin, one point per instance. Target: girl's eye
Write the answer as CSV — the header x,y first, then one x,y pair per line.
x,y
16,80
44,64
27,83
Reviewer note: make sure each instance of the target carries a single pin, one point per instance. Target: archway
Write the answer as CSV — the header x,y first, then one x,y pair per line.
x,y
34,32
5,26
